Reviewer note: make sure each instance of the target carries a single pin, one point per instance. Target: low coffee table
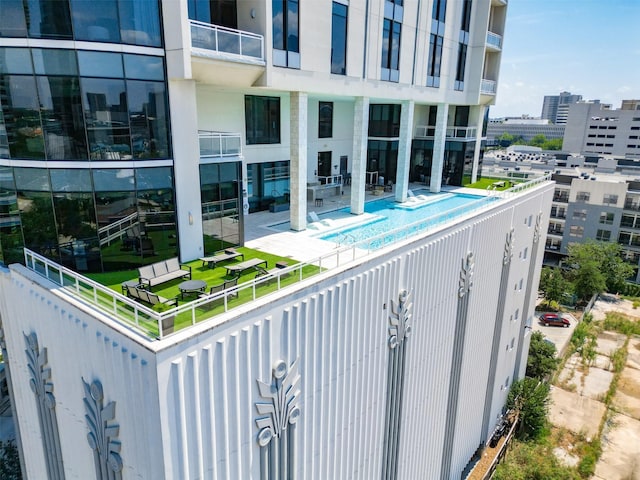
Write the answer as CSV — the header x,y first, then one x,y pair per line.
x,y
191,286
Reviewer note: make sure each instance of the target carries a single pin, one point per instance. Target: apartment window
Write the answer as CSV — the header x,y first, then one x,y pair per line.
x,y
583,197
262,119
384,120
610,199
603,235
579,215
339,39
391,50
462,61
435,60
626,221
286,33
466,16
606,218
325,119
576,231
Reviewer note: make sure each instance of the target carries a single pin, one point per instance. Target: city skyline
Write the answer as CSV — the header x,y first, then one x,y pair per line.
x,y
592,46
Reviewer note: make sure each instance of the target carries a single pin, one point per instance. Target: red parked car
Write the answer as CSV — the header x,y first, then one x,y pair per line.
x,y
554,320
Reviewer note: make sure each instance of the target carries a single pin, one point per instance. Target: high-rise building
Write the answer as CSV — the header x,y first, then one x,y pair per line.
x,y
137,133
554,107
596,128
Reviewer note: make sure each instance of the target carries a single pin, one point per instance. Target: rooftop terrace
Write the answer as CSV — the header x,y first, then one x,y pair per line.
x,y
304,255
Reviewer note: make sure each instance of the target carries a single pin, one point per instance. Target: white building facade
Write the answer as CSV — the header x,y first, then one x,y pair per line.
x,y
172,118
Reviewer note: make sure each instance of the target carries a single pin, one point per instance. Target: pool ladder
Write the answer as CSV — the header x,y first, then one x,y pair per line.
x,y
345,237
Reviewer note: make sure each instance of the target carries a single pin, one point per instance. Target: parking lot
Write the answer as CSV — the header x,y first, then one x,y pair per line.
x,y
560,336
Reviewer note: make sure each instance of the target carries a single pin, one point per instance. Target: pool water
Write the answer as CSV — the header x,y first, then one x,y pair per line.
x,y
405,219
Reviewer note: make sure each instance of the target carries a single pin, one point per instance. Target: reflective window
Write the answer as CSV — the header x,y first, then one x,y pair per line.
x,y
106,114
154,178
77,233
216,12
384,120
54,62
21,113
12,21
339,39
100,64
143,67
114,179
48,19
390,49
220,206
156,213
148,119
462,62
63,128
96,20
325,119
262,117
15,60
70,180
382,157
140,22
286,33
10,229
435,60
36,210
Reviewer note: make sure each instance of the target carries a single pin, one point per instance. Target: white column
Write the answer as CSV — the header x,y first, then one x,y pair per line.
x,y
439,139
476,152
298,180
404,150
360,135
186,160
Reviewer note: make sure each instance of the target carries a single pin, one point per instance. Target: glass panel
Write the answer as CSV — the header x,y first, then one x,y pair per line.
x,y
386,35
10,230
60,107
33,179
38,222
293,33
70,180
325,119
148,118
77,230
278,24
21,113
54,62
113,180
140,22
228,172
15,60
49,19
96,20
339,39
12,21
154,178
106,114
143,67
100,64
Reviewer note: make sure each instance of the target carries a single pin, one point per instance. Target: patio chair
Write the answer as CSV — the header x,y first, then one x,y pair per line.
x,y
315,219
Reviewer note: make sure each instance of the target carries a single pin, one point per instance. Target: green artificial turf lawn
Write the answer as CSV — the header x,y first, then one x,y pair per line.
x,y
484,183
213,276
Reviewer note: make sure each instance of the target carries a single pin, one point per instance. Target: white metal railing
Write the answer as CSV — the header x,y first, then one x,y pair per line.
x,y
147,322
219,144
488,87
330,180
227,40
425,131
494,40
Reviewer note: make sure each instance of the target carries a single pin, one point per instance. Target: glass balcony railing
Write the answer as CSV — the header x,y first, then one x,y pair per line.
x,y
219,144
488,87
494,40
227,41
460,133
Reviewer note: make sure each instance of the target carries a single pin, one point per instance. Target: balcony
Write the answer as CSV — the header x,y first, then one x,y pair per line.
x,y
219,144
556,231
494,41
453,133
488,87
562,198
226,56
632,205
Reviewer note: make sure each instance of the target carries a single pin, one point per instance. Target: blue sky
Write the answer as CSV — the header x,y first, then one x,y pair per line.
x,y
586,47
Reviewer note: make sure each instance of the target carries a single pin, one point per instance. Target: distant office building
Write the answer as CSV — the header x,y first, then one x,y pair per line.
x,y
593,127
630,105
553,107
527,128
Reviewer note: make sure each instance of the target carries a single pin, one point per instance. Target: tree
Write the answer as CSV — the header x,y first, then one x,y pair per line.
x,y
529,398
596,267
505,139
538,140
542,359
9,461
553,144
553,285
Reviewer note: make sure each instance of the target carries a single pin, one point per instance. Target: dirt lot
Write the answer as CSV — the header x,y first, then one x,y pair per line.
x,y
577,398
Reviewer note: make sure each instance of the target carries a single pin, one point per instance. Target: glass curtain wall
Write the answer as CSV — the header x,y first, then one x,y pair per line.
x,y
382,147
267,183
219,189
10,232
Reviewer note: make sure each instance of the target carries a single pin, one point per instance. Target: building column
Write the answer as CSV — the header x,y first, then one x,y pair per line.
x,y
298,169
404,150
476,151
360,136
439,141
186,161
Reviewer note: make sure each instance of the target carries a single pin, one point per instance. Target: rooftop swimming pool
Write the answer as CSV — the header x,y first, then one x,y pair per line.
x,y
389,221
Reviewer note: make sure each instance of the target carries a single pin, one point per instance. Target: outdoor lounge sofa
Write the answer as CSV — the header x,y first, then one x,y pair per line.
x,y
161,272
